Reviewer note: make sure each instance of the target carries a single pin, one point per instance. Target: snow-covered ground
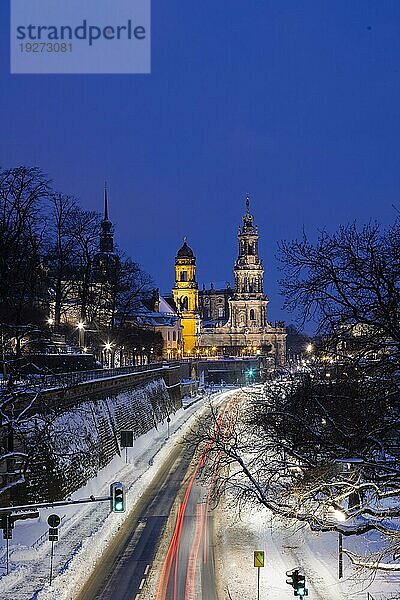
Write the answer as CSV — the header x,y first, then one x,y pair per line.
x,y
86,530
286,548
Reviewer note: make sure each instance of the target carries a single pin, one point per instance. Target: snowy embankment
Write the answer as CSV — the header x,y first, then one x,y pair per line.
x,y
86,530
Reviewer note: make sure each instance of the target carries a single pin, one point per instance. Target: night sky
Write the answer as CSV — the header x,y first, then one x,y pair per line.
x,y
295,102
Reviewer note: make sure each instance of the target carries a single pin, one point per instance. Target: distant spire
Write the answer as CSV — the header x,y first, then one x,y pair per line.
x,y
247,203
105,201
185,239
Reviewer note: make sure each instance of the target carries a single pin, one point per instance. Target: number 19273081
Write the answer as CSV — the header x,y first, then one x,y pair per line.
x,y
38,47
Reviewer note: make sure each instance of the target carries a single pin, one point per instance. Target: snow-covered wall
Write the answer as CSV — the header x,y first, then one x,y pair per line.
x,y
69,446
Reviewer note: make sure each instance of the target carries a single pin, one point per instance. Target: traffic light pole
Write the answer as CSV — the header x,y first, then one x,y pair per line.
x,y
7,555
258,584
340,555
90,500
51,561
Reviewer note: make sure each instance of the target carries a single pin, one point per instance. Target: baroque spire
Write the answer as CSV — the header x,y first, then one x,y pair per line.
x,y
105,201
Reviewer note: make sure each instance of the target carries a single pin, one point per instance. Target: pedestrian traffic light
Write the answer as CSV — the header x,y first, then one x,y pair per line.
x,y
300,589
117,497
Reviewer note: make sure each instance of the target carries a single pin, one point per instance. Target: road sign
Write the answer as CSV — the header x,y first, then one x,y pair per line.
x,y
54,521
53,534
258,558
127,440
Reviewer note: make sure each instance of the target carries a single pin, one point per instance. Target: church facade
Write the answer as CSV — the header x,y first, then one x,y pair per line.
x,y
235,321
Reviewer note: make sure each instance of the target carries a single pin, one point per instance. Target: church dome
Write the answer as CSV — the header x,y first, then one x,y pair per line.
x,y
185,251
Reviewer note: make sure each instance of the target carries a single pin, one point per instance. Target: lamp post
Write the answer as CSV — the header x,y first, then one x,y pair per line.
x,y
341,517
107,352
81,333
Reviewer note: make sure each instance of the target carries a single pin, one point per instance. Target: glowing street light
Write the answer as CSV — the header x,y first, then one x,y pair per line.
x,y
340,516
309,348
81,333
50,321
107,351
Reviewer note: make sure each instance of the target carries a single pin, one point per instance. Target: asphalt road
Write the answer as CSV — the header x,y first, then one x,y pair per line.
x,y
188,569
122,567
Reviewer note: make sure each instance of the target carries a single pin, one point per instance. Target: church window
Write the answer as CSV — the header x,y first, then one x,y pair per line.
x,y
174,336
221,313
252,315
184,303
183,275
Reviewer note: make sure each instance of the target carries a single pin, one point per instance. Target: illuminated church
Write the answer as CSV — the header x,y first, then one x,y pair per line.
x,y
228,322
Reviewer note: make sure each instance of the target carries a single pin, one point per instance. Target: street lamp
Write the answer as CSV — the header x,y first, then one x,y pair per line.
x,y
107,351
309,348
50,323
340,516
81,333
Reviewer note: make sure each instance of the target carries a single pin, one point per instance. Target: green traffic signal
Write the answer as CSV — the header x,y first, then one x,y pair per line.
x,y
117,497
298,582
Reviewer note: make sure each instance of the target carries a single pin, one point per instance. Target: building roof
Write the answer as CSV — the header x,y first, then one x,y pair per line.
x,y
185,251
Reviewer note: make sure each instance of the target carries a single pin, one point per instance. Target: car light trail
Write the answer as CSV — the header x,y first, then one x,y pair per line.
x,y
222,429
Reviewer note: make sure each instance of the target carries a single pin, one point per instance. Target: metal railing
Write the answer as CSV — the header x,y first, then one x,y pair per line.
x,y
62,380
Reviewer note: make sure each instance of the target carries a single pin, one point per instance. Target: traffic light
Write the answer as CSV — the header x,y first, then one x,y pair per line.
x,y
300,589
293,577
117,496
298,582
7,525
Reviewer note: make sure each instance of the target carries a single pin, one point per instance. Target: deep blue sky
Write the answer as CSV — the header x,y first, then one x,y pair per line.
x,y
296,102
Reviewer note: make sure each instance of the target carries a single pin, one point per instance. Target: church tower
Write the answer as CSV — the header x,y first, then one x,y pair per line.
x,y
248,307
186,297
105,260
107,232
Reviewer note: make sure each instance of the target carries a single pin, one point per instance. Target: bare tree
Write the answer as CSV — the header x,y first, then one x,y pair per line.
x,y
22,277
62,254
346,278
316,451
